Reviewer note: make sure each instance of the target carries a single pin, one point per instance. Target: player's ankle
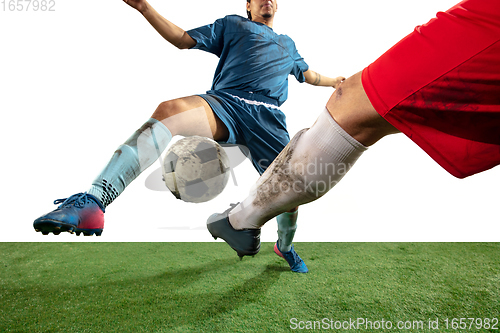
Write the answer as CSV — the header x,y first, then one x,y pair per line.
x,y
233,222
239,223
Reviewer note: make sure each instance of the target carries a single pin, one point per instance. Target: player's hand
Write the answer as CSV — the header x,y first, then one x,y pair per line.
x,y
140,5
337,81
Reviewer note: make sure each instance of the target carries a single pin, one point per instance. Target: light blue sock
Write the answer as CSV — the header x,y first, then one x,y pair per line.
x,y
287,225
137,153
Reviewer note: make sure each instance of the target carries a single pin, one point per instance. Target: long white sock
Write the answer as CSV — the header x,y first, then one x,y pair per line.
x,y
137,153
309,166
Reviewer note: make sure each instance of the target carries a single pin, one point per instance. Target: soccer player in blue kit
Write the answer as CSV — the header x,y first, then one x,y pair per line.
x,y
242,107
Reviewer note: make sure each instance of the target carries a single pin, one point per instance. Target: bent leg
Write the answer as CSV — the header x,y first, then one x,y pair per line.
x,y
315,159
184,116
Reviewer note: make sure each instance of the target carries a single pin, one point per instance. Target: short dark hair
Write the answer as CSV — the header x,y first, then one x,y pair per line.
x,y
248,13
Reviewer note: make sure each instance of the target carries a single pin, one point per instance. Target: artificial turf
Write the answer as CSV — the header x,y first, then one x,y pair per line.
x,y
203,287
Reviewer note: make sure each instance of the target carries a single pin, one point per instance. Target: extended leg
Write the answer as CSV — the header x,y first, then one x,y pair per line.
x,y
84,212
185,116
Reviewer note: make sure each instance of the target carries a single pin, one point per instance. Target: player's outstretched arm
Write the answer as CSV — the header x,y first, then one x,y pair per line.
x,y
319,80
172,33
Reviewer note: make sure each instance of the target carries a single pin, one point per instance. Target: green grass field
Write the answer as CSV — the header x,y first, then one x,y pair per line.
x,y
203,287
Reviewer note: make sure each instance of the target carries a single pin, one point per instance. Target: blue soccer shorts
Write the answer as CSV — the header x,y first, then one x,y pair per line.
x,y
252,120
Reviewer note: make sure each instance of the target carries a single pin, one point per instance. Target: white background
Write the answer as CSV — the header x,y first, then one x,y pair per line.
x,y
77,82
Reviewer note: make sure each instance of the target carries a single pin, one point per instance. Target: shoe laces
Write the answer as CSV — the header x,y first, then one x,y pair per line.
x,y
294,255
296,258
78,200
231,206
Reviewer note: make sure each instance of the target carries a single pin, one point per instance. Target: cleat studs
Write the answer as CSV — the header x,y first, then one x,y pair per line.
x,y
78,233
214,237
45,233
98,233
56,232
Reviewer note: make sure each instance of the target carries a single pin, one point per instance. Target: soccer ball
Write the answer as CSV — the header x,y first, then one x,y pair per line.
x,y
196,169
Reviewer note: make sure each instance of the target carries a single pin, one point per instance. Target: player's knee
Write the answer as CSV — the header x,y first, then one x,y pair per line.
x,y
353,111
167,109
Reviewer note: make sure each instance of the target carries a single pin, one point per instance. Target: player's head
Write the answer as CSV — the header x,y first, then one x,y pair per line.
x,y
261,8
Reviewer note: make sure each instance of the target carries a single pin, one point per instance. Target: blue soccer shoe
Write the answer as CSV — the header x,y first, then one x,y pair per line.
x,y
80,213
293,259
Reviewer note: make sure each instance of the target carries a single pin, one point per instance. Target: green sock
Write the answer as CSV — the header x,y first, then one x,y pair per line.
x,y
287,224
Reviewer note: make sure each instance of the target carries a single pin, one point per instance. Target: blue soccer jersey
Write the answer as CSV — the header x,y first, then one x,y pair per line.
x,y
253,58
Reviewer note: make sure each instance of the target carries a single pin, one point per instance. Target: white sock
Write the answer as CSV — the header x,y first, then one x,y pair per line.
x,y
309,166
137,153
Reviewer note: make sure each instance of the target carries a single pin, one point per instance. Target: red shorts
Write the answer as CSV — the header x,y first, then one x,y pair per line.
x,y
440,86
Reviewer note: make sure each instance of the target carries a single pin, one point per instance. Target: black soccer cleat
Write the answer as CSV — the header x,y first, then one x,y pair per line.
x,y
245,242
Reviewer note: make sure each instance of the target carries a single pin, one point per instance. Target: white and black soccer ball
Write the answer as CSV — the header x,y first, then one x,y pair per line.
x,y
196,169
